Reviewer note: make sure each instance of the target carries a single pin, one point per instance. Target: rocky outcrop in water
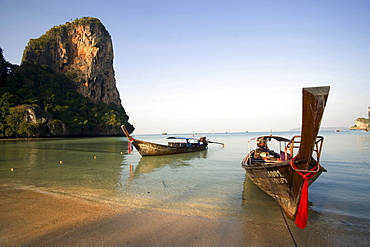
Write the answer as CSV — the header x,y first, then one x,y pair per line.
x,y
83,50
362,123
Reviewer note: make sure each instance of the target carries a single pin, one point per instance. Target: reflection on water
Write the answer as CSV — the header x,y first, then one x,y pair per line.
x,y
81,165
258,204
210,183
152,163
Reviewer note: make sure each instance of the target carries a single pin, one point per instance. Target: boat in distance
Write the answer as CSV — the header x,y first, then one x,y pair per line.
x,y
181,145
287,173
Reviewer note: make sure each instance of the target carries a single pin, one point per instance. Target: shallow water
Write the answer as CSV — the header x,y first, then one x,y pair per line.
x,y
209,183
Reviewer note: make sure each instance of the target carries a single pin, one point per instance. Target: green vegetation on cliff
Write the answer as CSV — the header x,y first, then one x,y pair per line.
x,y
34,85
362,124
83,21
40,44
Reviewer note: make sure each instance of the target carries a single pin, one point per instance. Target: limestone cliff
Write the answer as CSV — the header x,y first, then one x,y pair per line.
x,y
361,124
83,50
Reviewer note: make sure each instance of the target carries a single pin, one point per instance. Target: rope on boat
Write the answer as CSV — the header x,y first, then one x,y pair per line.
x,y
281,209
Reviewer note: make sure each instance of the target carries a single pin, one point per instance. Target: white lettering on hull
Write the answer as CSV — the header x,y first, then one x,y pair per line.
x,y
277,177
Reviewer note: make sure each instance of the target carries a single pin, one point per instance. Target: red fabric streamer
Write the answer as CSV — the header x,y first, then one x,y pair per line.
x,y
129,146
302,211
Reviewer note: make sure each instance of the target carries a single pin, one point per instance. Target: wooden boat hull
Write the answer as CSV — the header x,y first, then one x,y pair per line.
x,y
149,148
276,179
285,176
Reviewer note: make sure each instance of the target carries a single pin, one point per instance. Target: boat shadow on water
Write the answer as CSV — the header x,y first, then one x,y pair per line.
x,y
259,206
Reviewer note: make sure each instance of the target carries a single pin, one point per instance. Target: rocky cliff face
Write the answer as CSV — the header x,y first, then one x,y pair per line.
x,y
35,114
362,124
83,50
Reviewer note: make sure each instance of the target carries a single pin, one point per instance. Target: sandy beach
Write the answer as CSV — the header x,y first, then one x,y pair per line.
x,y
30,217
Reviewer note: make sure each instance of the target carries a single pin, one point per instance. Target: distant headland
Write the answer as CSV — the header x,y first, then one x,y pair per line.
x,y
362,123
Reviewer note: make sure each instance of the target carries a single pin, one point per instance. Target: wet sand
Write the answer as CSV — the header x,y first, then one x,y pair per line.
x,y
31,217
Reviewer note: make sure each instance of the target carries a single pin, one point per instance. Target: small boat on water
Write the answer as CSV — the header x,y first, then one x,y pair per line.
x,y
287,173
181,145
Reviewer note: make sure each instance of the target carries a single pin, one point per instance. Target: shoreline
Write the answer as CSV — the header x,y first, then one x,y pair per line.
x,y
56,137
32,217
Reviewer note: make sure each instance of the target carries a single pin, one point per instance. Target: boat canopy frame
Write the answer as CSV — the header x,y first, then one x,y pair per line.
x,y
291,146
295,142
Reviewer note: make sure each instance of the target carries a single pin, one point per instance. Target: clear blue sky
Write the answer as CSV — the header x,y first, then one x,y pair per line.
x,y
202,66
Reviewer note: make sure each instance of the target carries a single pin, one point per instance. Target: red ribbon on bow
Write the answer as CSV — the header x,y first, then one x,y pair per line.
x,y
129,146
302,211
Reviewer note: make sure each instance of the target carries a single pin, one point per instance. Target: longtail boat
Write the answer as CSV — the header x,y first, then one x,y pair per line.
x,y
286,174
182,145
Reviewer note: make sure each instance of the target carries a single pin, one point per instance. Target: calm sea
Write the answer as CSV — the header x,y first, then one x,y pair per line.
x,y
211,183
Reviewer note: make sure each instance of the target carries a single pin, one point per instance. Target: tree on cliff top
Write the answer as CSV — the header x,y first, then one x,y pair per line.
x,y
3,69
6,68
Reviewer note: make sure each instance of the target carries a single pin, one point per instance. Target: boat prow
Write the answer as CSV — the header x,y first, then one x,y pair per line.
x,y
314,102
